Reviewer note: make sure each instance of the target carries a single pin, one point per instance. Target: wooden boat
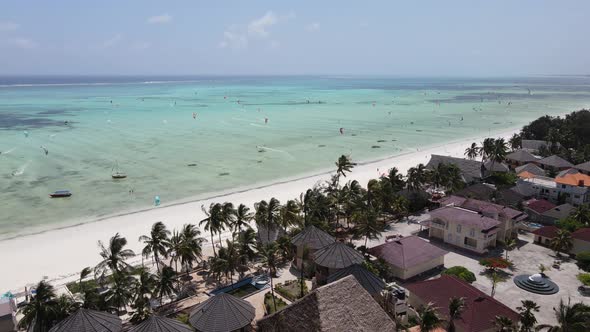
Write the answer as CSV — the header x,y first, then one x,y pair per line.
x,y
116,173
60,193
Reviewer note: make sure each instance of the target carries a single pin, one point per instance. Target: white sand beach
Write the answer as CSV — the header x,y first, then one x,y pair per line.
x,y
60,253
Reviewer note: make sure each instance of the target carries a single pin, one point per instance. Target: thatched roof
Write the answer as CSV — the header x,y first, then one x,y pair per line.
x,y
161,324
531,168
222,313
411,251
370,282
584,166
343,305
86,320
313,238
555,161
522,156
470,169
338,256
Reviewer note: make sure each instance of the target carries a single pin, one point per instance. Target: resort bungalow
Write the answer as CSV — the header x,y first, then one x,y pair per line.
x,y
580,238
161,324
480,309
530,168
583,167
343,305
334,257
534,145
509,218
86,320
554,164
307,242
535,208
370,282
519,158
410,256
489,193
471,170
222,313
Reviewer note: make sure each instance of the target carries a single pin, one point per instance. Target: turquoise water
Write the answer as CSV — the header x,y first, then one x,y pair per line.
x,y
148,128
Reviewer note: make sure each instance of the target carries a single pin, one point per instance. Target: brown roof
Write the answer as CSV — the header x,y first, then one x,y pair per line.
x,y
555,161
370,282
521,156
584,166
480,309
546,231
582,234
313,238
222,313
338,256
407,252
531,168
539,205
343,305
86,320
464,217
479,206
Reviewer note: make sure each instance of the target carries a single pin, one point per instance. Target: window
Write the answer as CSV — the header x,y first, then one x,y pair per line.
x,y
563,186
576,196
472,232
458,228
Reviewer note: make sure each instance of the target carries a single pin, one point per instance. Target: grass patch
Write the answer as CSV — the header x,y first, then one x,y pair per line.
x,y
76,287
243,290
269,305
291,289
584,278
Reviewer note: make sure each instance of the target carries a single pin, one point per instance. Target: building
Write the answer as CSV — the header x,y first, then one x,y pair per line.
x,y
580,238
535,208
222,312
519,158
410,256
559,212
343,305
480,308
334,257
8,311
509,217
533,145
569,186
471,170
554,164
531,169
86,320
307,242
544,235
370,282
489,193
583,168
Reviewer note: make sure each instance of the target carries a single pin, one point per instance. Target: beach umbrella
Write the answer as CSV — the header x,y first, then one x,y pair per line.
x,y
222,313
161,324
86,320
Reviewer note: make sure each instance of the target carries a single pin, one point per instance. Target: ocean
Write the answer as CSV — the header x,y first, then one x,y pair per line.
x,y
181,137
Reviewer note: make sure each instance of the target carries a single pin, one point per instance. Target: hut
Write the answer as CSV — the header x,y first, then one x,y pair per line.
x,y
307,242
334,257
161,324
519,158
222,313
554,163
86,320
370,282
343,305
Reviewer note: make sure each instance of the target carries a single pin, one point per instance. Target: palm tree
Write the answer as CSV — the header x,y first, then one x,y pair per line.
x,y
40,309
246,243
145,284
582,214
270,258
499,151
396,179
213,222
527,315
174,247
472,151
156,243
191,246
290,214
367,224
495,278
428,318
243,218
570,318
166,280
232,259
343,165
515,141
486,148
121,290
562,242
268,215
456,308
417,177
64,307
504,324
114,256
509,245
228,215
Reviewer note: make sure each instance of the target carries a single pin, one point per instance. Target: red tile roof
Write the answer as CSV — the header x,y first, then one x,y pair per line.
x,y
407,252
582,234
547,231
480,310
464,217
539,205
478,206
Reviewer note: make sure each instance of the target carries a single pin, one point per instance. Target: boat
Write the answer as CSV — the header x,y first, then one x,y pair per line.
x,y
60,193
116,173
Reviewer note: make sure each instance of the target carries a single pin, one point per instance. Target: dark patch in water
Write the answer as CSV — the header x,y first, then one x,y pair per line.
x,y
223,174
192,165
71,173
352,134
287,103
321,146
393,140
259,161
18,121
487,97
375,147
381,141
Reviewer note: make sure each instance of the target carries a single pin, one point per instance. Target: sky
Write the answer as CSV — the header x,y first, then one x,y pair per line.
x,y
190,37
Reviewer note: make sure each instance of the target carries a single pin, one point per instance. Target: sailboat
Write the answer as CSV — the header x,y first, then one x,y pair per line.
x,y
116,173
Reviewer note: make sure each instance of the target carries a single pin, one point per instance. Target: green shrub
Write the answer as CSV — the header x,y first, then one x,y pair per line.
x,y
291,289
583,259
460,272
269,305
584,278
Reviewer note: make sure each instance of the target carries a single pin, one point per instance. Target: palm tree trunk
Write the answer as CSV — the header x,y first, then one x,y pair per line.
x,y
157,261
220,243
272,292
366,238
213,244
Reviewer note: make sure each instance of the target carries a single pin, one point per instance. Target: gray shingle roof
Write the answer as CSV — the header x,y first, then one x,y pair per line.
x,y
555,161
470,169
584,166
560,211
343,305
338,256
407,252
370,282
521,156
86,320
531,168
313,238
464,217
161,324
535,144
495,166
222,313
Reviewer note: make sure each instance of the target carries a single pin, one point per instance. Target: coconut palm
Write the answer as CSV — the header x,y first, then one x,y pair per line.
x,y
174,247
515,141
213,222
428,318
290,214
487,147
268,215
417,177
156,243
582,214
570,318
41,309
367,224
270,258
498,152
472,151
232,259
64,307
121,290
246,245
343,165
243,218
562,242
509,245
113,256
504,324
456,308
145,284
396,179
228,215
165,282
191,246
527,315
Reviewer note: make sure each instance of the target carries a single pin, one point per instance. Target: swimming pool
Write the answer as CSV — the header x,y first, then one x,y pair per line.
x,y
244,288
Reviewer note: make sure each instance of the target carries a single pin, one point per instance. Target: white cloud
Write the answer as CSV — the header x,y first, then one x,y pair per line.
x,y
259,27
233,40
24,43
311,27
160,19
112,41
8,26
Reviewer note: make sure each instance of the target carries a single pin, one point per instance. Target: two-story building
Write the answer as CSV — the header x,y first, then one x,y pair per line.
x,y
569,186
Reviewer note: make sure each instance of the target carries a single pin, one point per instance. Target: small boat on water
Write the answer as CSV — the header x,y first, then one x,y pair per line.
x,y
116,173
60,193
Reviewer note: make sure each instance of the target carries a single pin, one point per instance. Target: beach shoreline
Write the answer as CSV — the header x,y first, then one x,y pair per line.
x,y
61,253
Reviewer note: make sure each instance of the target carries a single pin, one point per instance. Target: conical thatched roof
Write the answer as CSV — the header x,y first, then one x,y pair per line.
x,y
370,282
222,313
161,324
343,305
313,238
86,320
338,256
